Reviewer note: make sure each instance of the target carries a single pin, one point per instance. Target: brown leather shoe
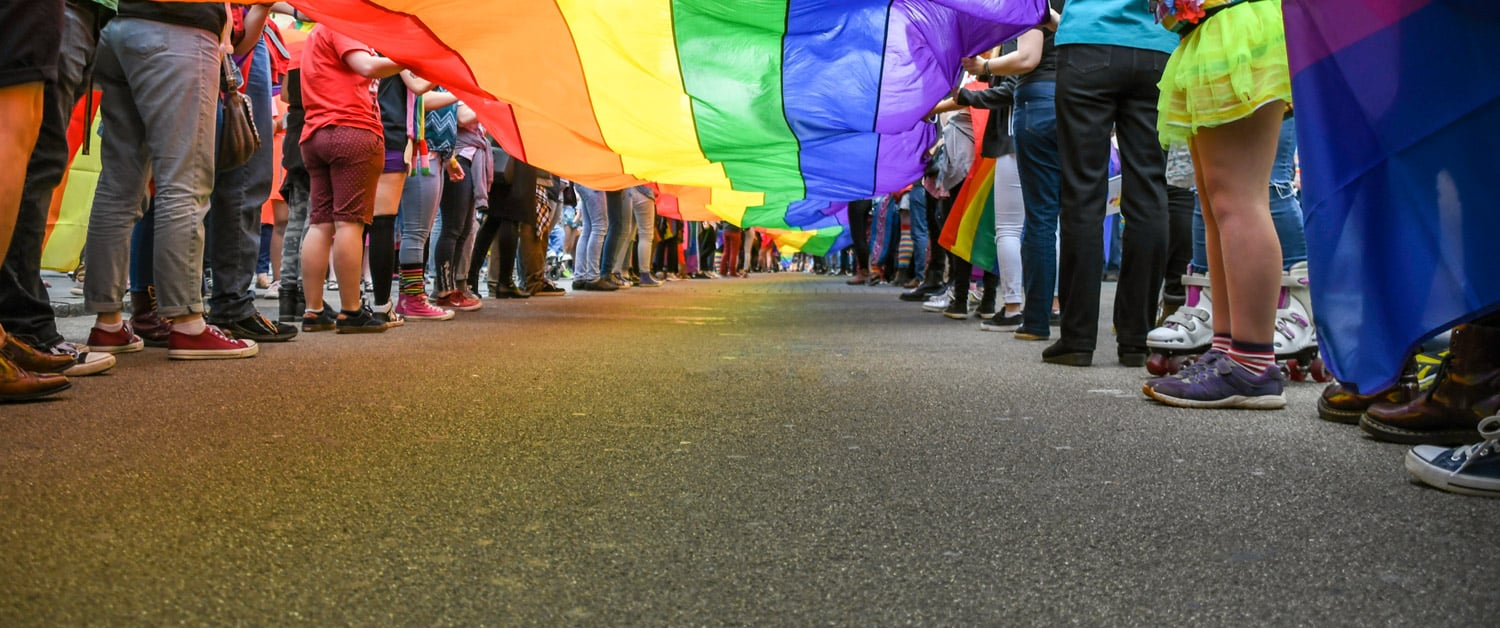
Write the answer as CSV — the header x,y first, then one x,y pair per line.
x,y
1466,391
149,325
18,384
24,356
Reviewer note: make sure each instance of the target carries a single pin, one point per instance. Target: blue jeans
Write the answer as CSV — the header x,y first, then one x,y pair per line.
x,y
591,233
1035,122
1286,207
919,231
232,240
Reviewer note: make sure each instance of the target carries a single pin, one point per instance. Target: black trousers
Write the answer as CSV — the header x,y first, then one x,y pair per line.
x,y
1100,88
859,229
1179,244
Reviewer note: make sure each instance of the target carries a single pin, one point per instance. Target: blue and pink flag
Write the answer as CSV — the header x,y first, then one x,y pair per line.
x,y
1398,120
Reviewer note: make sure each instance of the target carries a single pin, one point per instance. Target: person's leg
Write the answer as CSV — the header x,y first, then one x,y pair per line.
x,y
382,232
615,221
645,227
859,230
504,271
232,240
416,211
457,206
1010,217
1143,206
1233,161
1179,246
1286,208
316,242
295,190
919,232
1040,172
354,170
1088,82
690,253
118,199
25,309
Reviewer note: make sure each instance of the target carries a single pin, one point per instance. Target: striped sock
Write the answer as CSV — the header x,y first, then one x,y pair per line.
x,y
412,281
1221,343
1256,358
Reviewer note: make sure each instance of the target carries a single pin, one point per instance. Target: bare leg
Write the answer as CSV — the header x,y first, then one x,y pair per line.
x,y
1234,166
348,255
316,243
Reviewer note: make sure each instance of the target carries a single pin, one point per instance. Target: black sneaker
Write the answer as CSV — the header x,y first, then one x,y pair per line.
x,y
362,321
258,328
957,310
922,292
1001,322
390,317
545,289
319,321
509,292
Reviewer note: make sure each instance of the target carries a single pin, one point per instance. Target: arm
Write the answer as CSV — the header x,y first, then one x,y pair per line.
x,y
255,23
370,66
944,106
997,97
438,100
466,116
1027,55
416,84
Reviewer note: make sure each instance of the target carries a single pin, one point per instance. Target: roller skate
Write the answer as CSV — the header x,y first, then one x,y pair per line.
x,y
1185,334
1296,339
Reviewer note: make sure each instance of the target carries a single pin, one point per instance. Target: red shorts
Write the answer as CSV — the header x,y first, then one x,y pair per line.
x,y
343,166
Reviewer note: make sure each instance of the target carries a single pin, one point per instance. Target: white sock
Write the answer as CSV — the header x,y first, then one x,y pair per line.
x,y
117,326
191,328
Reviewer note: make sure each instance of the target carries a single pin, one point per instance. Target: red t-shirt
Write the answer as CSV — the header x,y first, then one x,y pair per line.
x,y
332,93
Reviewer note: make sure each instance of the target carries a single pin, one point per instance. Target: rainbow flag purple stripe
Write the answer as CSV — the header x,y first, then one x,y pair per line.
x,y
1398,120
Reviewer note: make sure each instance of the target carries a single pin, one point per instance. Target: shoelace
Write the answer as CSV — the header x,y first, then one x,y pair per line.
x,y
1203,363
1489,428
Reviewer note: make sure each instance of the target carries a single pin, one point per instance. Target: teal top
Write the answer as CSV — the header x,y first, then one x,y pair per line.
x,y
1127,23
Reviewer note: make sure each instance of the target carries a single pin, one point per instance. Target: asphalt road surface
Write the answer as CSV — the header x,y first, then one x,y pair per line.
x,y
781,450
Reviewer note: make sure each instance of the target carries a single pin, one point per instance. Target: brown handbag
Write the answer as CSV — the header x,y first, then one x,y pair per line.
x,y
239,139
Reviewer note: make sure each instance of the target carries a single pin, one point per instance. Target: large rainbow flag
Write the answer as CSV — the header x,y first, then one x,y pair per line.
x,y
1398,121
739,107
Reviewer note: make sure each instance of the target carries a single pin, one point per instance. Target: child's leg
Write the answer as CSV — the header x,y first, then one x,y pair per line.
x,y
1234,168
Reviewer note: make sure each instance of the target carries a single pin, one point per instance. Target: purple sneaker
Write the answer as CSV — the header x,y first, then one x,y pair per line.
x,y
1221,384
1203,362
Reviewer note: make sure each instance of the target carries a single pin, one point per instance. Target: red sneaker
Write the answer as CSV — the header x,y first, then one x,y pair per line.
x,y
459,301
122,341
212,344
415,307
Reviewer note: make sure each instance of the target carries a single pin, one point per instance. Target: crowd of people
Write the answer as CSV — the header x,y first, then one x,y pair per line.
x,y
378,198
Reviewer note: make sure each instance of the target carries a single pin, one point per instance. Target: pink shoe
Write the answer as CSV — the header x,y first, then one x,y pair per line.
x,y
459,301
123,341
212,344
415,307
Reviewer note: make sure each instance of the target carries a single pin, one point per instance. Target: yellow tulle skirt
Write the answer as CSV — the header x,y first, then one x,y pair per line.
x,y
1228,67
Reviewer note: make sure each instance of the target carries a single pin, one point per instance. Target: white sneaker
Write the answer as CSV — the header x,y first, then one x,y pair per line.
x,y
272,291
939,303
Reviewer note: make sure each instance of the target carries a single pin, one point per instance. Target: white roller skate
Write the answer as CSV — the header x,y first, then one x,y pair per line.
x,y
1296,338
1186,333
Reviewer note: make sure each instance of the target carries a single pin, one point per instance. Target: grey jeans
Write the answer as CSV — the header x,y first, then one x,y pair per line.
x,y
295,189
161,94
233,242
25,310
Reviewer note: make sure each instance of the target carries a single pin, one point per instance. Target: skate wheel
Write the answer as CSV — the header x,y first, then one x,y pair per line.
x,y
1159,365
1319,372
1294,371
